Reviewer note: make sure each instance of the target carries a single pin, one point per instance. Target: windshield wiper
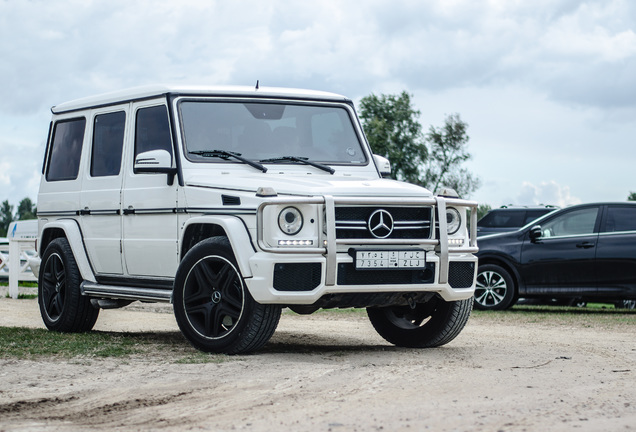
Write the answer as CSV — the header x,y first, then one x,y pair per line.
x,y
224,154
303,160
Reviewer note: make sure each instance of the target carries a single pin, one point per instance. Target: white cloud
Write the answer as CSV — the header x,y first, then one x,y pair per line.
x,y
548,87
546,193
5,180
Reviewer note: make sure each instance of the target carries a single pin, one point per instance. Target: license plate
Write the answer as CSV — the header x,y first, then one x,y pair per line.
x,y
411,259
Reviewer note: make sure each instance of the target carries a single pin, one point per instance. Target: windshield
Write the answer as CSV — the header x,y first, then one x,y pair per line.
x,y
264,131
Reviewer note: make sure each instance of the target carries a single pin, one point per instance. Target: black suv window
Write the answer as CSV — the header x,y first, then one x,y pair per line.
x,y
534,214
108,140
576,222
503,219
620,219
152,131
66,150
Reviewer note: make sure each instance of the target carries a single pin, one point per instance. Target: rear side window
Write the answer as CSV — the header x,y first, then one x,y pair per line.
x,y
152,131
503,219
534,214
621,219
108,140
66,150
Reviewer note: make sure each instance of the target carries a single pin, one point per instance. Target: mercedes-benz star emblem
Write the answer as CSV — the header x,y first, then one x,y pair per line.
x,y
380,224
216,297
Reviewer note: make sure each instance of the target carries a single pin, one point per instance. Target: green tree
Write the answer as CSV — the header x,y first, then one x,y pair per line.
x,y
26,210
6,217
482,209
448,152
632,196
391,125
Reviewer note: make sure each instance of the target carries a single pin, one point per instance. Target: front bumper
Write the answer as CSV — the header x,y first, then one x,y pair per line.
x,y
301,279
302,276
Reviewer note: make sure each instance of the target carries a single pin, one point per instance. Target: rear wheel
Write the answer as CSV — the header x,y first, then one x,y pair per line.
x,y
494,289
212,305
62,306
425,325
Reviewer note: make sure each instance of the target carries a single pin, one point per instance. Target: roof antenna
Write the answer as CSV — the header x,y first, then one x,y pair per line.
x,y
256,84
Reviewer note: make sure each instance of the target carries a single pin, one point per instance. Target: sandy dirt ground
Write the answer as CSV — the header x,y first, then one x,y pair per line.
x,y
332,372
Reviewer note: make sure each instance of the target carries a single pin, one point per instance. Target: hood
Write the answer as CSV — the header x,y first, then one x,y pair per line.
x,y
309,185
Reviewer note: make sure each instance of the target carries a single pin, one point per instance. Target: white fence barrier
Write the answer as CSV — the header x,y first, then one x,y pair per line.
x,y
21,250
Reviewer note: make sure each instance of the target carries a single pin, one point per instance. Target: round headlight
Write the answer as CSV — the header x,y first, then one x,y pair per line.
x,y
290,220
453,220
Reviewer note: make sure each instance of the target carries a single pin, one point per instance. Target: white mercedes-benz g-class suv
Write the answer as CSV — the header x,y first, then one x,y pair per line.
x,y
233,203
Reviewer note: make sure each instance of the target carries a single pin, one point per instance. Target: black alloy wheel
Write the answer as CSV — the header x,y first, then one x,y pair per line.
x,y
422,325
62,306
212,305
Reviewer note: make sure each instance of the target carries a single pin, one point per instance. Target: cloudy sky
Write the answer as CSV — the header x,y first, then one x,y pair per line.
x,y
548,87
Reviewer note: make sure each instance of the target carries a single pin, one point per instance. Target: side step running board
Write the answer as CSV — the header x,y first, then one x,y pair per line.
x,y
124,292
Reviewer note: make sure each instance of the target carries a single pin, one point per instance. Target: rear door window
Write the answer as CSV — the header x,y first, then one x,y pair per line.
x,y
503,219
66,150
620,219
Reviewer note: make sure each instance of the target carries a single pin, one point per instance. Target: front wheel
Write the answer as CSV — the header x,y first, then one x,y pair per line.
x,y
425,325
212,305
494,289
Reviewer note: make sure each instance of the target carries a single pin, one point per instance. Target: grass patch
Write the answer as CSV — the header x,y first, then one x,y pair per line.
x,y
33,344
595,315
23,296
23,284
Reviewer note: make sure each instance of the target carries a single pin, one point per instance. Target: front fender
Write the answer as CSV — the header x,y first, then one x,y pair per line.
x,y
236,232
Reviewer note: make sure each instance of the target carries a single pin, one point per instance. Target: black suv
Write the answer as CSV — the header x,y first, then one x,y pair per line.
x,y
586,251
506,218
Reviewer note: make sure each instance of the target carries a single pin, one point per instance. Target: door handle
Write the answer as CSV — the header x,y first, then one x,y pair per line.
x,y
585,245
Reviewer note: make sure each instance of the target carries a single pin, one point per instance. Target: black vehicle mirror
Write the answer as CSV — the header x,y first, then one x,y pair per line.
x,y
535,232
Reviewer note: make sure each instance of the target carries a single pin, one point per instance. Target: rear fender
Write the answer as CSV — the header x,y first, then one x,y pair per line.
x,y
74,236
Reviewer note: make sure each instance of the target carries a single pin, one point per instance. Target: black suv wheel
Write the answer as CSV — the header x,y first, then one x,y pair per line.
x,y
495,288
212,305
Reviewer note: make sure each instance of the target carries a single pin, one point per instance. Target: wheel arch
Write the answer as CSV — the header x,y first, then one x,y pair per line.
x,y
200,228
69,229
495,260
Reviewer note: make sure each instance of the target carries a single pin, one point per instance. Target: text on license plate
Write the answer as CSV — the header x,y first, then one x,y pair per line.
x,y
390,259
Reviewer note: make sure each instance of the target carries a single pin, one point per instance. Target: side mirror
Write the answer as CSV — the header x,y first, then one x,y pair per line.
x,y
535,233
153,162
383,164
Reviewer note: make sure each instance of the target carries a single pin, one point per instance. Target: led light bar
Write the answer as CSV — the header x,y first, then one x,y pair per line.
x,y
295,242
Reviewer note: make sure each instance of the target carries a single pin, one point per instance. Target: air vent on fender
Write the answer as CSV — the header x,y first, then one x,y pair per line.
x,y
229,200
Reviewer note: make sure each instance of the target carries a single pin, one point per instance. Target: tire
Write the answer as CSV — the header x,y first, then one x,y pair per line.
x,y
495,289
62,305
625,304
212,305
577,302
427,325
